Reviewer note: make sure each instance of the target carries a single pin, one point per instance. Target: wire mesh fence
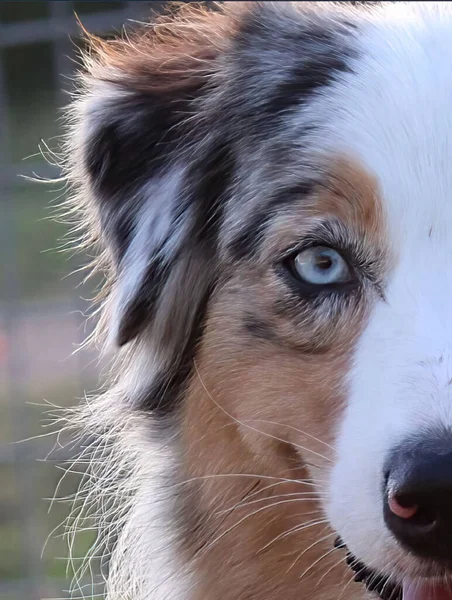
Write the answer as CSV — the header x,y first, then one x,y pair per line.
x,y
41,308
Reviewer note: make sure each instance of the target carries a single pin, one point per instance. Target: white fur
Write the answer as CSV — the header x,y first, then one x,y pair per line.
x,y
131,493
151,229
149,530
394,116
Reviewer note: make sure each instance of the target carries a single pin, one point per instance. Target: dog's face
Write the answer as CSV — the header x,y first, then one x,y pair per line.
x,y
273,188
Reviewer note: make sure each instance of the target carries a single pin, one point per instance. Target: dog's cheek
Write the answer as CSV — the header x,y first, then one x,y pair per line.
x,y
276,394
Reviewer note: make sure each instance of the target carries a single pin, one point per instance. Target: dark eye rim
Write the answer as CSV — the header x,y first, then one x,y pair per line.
x,y
287,270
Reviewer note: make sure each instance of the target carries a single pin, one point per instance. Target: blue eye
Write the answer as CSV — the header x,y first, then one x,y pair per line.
x,y
321,265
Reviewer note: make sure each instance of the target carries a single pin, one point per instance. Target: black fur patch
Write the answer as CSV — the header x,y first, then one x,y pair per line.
x,y
259,329
169,386
137,313
247,243
213,177
134,147
308,76
294,57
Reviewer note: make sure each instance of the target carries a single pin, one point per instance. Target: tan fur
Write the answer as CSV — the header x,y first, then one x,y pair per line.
x,y
261,416
351,193
169,57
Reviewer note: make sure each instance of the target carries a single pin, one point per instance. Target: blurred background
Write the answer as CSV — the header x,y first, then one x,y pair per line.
x,y
42,307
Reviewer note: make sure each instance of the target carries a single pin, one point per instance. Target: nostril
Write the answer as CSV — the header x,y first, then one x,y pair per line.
x,y
417,515
400,508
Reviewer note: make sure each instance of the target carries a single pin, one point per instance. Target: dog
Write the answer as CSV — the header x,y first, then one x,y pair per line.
x,y
268,189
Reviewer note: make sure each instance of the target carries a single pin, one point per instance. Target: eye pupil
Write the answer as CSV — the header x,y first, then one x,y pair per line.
x,y
324,262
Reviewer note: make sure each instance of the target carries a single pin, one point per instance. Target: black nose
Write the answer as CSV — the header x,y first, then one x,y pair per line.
x,y
418,495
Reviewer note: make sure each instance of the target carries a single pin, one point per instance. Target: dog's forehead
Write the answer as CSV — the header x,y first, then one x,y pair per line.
x,y
392,112
388,112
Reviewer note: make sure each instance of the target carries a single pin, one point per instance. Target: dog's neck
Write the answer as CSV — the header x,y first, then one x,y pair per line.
x,y
250,528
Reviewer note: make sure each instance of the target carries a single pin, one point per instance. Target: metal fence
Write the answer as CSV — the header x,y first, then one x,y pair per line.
x,y
41,310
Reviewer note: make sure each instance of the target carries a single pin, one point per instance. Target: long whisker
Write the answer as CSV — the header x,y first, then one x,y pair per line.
x,y
293,429
274,437
274,485
252,514
316,562
388,581
244,503
247,499
296,529
249,475
339,562
319,541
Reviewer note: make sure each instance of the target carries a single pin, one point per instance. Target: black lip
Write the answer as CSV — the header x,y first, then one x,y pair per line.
x,y
375,582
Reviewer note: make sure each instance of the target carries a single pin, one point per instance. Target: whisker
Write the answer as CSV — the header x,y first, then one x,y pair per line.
x,y
352,578
296,529
293,429
274,437
339,562
243,501
388,581
325,555
289,495
249,475
310,548
252,514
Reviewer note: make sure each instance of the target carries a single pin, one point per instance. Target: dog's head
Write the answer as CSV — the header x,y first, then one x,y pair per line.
x,y
271,185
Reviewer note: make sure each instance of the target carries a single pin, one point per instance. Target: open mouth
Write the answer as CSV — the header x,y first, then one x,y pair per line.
x,y
380,585
383,587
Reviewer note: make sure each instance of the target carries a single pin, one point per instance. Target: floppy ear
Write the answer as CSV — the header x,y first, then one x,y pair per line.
x,y
153,169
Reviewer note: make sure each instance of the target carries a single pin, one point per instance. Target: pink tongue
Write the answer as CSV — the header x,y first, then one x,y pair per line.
x,y
417,590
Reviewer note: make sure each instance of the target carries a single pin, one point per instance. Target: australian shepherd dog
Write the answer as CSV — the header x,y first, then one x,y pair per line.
x,y
268,188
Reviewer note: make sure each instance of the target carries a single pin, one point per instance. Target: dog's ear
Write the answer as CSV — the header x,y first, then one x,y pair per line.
x,y
153,165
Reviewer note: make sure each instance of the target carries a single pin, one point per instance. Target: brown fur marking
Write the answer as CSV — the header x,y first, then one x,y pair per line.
x,y
261,417
172,56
